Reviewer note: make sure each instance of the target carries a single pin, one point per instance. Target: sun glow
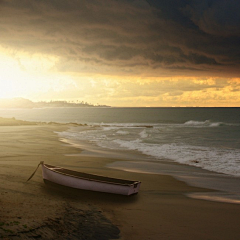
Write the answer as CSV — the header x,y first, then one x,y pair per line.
x,y
10,76
24,75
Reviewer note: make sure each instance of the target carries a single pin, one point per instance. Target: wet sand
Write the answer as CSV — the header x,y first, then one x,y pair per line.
x,y
161,210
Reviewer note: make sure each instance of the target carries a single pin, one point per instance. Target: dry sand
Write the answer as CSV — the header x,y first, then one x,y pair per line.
x,y
161,210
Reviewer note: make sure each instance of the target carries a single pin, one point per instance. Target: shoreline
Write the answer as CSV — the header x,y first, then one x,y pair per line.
x,y
161,209
223,187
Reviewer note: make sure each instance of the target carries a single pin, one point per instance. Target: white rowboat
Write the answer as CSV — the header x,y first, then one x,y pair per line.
x,y
87,181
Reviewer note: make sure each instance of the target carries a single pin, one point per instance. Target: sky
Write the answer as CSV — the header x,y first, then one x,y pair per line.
x,y
132,53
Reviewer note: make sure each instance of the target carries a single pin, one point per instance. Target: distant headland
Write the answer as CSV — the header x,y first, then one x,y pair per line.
x,y
26,103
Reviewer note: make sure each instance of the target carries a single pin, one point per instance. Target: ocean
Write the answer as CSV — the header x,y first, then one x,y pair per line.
x,y
206,138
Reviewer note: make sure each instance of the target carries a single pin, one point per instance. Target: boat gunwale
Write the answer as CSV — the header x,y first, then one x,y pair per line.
x,y
134,183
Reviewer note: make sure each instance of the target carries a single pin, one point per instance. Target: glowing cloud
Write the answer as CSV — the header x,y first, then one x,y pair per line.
x,y
121,53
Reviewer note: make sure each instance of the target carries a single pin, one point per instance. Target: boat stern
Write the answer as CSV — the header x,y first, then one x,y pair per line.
x,y
134,188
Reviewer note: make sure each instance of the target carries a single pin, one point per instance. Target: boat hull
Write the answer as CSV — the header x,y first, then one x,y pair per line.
x,y
52,175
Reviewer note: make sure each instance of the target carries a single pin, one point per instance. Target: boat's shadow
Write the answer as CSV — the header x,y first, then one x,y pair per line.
x,y
84,195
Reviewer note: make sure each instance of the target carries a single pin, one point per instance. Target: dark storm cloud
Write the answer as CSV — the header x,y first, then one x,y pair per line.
x,y
217,17
206,29
127,36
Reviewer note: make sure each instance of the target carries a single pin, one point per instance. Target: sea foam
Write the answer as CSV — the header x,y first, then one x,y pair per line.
x,y
206,123
213,148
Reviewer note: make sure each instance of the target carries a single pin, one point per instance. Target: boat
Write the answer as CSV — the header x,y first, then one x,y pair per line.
x,y
86,181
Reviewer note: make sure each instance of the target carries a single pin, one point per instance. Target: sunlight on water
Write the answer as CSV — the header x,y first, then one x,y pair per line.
x,y
217,197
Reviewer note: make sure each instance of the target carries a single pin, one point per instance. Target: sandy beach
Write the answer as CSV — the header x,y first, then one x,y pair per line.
x,y
161,210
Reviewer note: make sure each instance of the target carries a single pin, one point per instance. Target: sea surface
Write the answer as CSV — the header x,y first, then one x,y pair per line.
x,y
207,138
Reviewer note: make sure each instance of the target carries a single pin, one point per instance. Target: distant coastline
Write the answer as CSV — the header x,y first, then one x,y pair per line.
x,y
17,122
26,103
